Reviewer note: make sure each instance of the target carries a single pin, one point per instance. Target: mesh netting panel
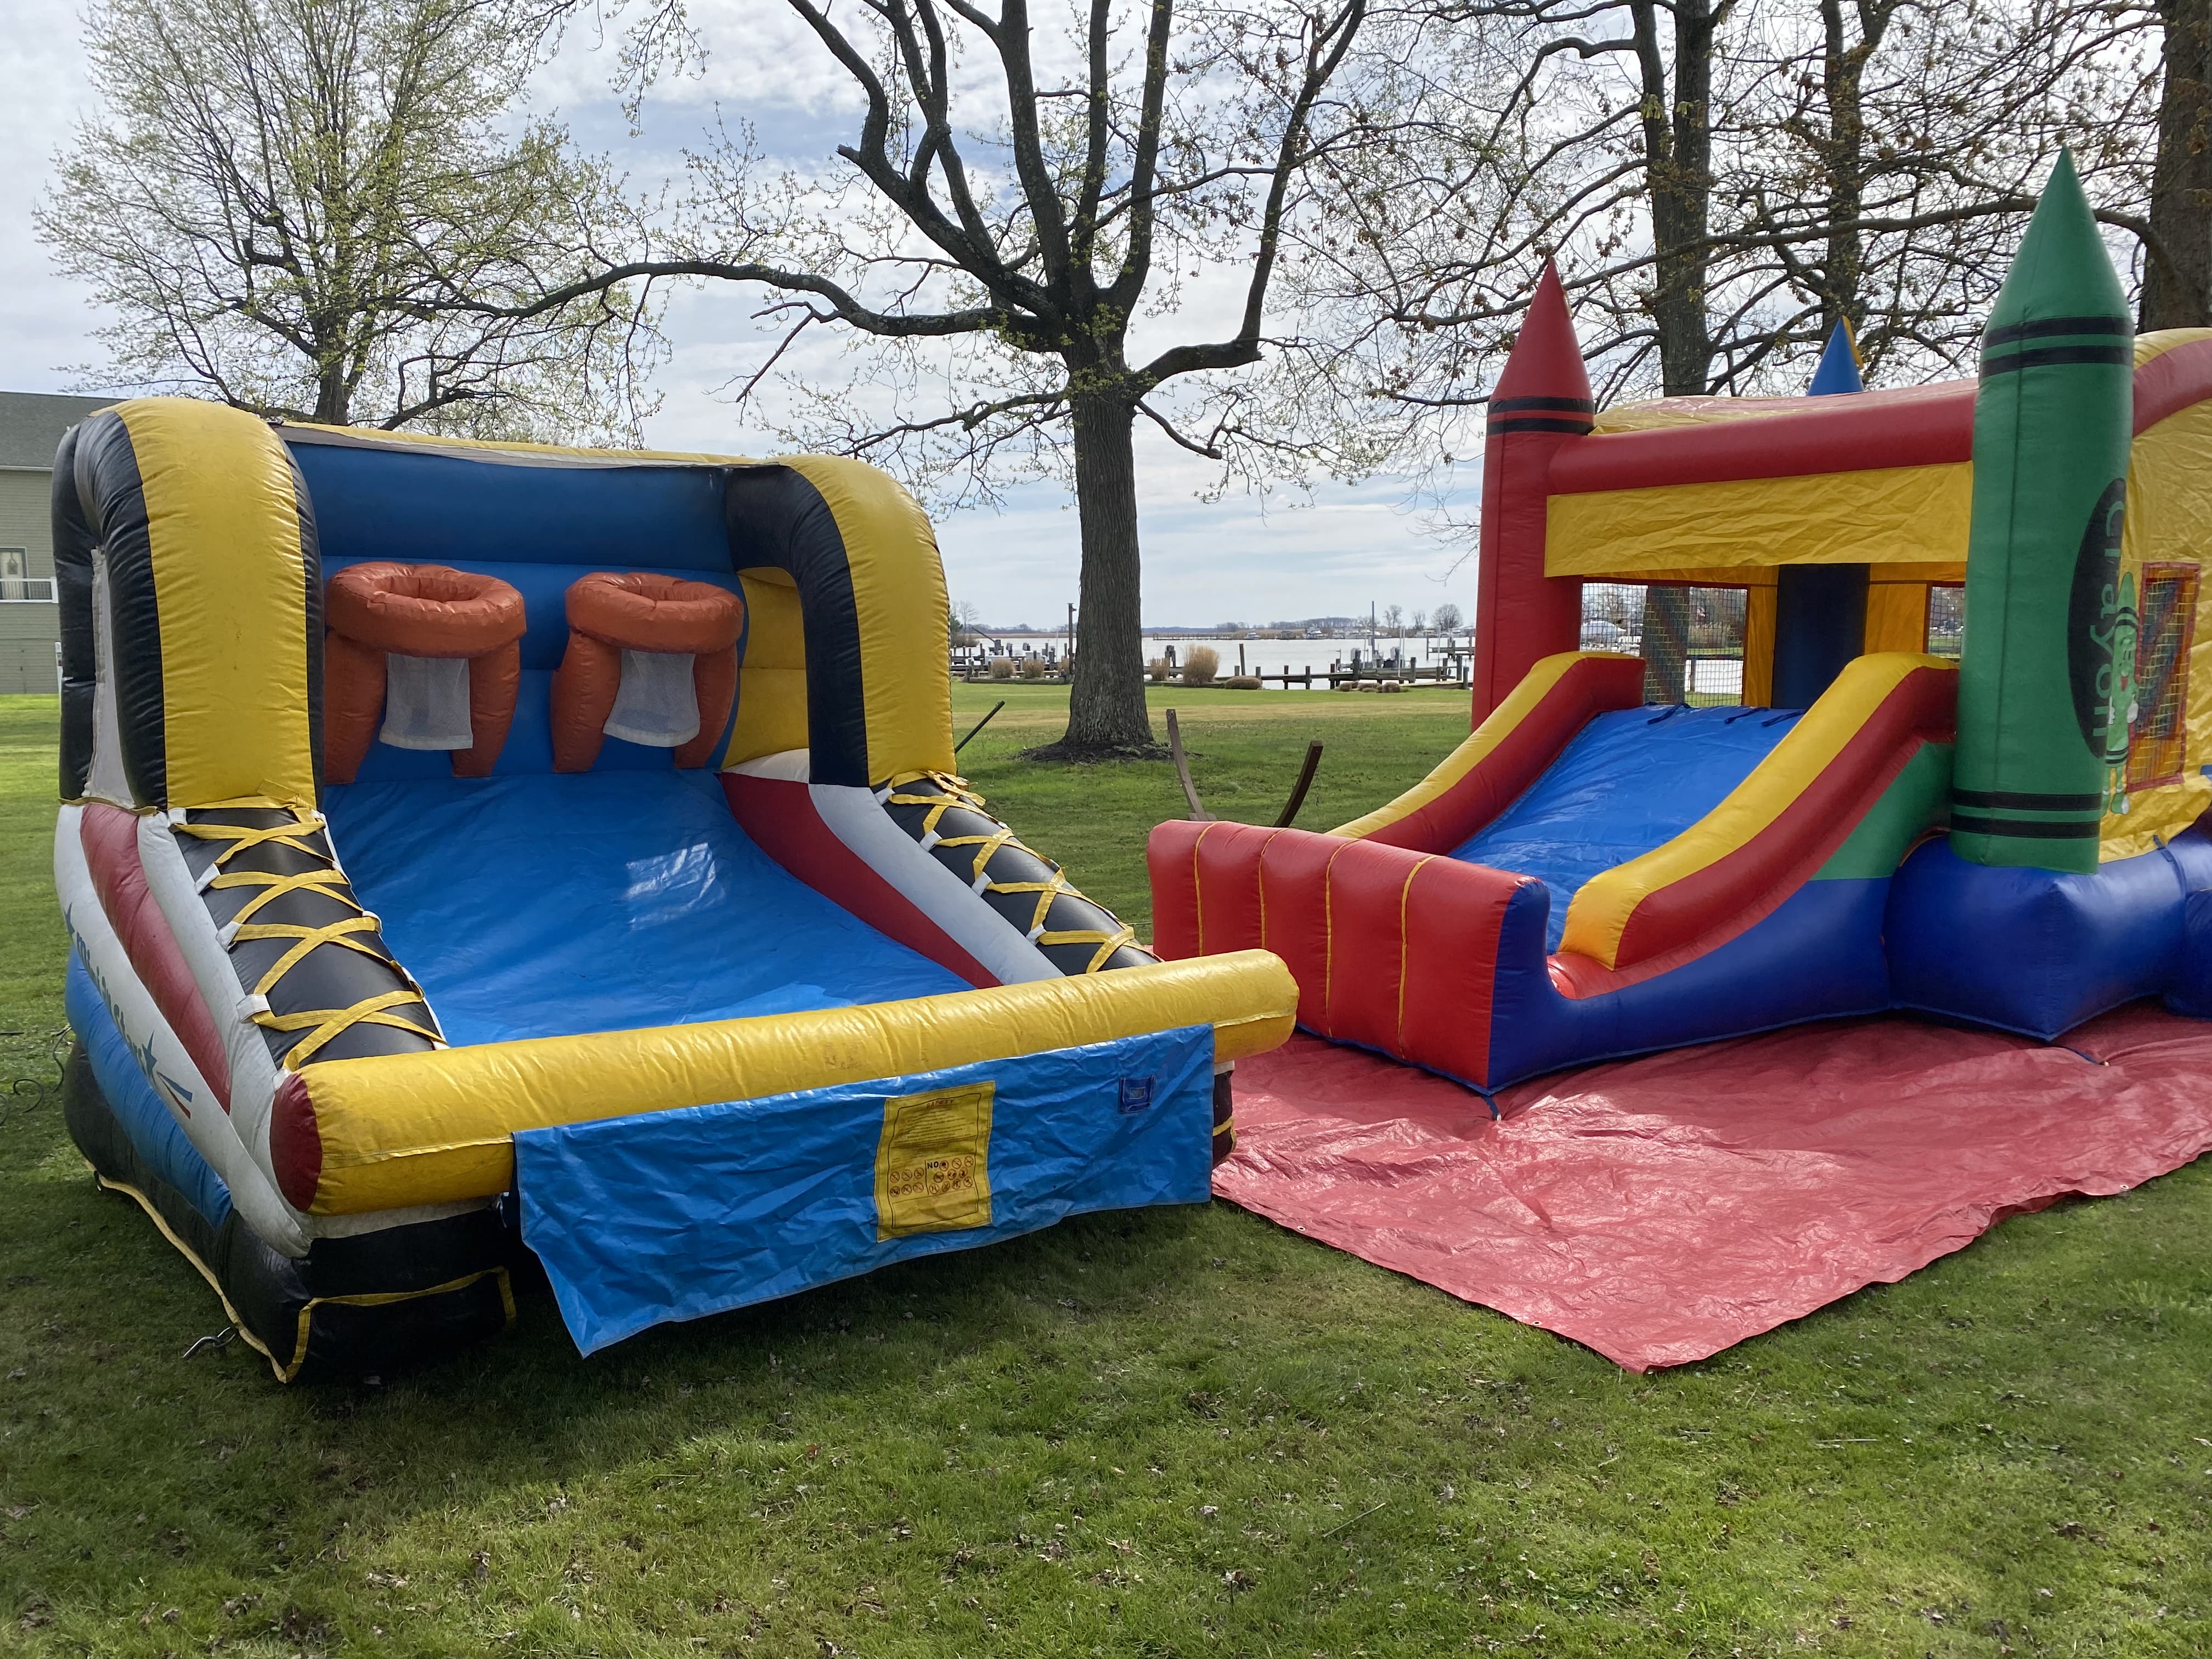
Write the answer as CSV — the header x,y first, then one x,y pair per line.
x,y
657,705
1946,621
426,703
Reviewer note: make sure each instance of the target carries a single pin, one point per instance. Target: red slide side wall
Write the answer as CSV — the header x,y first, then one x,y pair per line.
x,y
1732,893
1347,917
1594,686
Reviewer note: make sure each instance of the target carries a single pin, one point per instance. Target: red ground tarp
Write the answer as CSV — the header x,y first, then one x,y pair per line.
x,y
1663,1209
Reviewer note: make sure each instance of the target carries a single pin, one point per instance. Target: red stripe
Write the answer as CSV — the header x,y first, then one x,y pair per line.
x,y
780,816
1918,425
1706,909
295,1142
1592,686
1914,426
2170,383
110,838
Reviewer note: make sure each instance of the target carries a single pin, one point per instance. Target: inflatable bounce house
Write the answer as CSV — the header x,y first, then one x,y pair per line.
x,y
2009,840
463,841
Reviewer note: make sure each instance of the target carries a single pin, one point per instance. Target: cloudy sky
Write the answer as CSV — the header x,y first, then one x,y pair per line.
x,y
1241,558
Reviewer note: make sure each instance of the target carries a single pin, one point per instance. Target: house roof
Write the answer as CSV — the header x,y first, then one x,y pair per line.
x,y
32,424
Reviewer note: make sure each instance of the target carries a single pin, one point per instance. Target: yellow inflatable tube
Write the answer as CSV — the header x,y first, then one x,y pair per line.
x,y
351,1136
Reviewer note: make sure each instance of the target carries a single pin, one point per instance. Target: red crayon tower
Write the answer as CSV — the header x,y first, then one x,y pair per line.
x,y
1542,400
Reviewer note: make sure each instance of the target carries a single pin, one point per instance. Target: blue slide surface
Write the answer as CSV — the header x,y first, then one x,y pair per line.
x,y
543,905
1631,781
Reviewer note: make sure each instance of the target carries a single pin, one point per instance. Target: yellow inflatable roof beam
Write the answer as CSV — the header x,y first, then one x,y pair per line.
x,y
392,1130
1892,515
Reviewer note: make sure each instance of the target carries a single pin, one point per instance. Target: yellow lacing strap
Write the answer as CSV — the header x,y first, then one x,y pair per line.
x,y
954,792
321,1025
286,1372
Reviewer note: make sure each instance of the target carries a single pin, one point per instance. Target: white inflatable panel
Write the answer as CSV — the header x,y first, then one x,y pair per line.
x,y
213,1132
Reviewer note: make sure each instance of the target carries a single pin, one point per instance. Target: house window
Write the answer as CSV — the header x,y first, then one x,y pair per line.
x,y
17,584
2160,738
1947,621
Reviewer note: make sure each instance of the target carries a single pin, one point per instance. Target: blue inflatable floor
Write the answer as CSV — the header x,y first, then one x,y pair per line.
x,y
544,905
1631,781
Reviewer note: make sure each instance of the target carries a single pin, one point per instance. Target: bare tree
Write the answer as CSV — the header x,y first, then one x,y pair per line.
x,y
1021,209
1720,182
281,196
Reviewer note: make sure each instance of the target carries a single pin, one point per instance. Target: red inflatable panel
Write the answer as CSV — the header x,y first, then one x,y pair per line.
x,y
1169,852
1912,426
1225,864
1369,888
1346,917
2172,381
1453,916
110,838
1294,891
1663,1209
779,815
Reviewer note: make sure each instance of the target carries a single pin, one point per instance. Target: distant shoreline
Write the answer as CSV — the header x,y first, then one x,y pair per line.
x,y
1205,634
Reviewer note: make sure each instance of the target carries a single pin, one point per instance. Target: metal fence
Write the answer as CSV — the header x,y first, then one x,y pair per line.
x,y
1690,638
1946,621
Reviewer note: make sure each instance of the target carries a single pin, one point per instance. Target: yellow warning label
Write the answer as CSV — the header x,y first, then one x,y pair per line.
x,y
933,1166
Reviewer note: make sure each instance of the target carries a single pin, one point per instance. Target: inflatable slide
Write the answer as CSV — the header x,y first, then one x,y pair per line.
x,y
2009,840
470,850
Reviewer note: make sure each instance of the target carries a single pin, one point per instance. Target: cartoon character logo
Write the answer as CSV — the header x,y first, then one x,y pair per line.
x,y
2101,626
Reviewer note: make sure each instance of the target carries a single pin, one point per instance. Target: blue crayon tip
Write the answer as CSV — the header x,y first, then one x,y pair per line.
x,y
1840,366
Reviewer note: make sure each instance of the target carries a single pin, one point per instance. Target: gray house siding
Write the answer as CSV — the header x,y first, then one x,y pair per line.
x,y
30,426
28,631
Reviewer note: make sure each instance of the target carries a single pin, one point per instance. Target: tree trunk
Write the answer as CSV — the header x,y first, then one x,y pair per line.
x,y
1677,124
333,396
1678,176
1106,713
1843,69
2178,286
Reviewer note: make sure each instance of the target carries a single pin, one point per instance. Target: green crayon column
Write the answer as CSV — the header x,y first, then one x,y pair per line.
x,y
2046,683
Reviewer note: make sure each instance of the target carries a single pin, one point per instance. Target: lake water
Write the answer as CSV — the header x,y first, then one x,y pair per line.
x,y
1261,656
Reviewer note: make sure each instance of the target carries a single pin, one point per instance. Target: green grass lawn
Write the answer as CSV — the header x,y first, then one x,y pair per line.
x,y
1180,1433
